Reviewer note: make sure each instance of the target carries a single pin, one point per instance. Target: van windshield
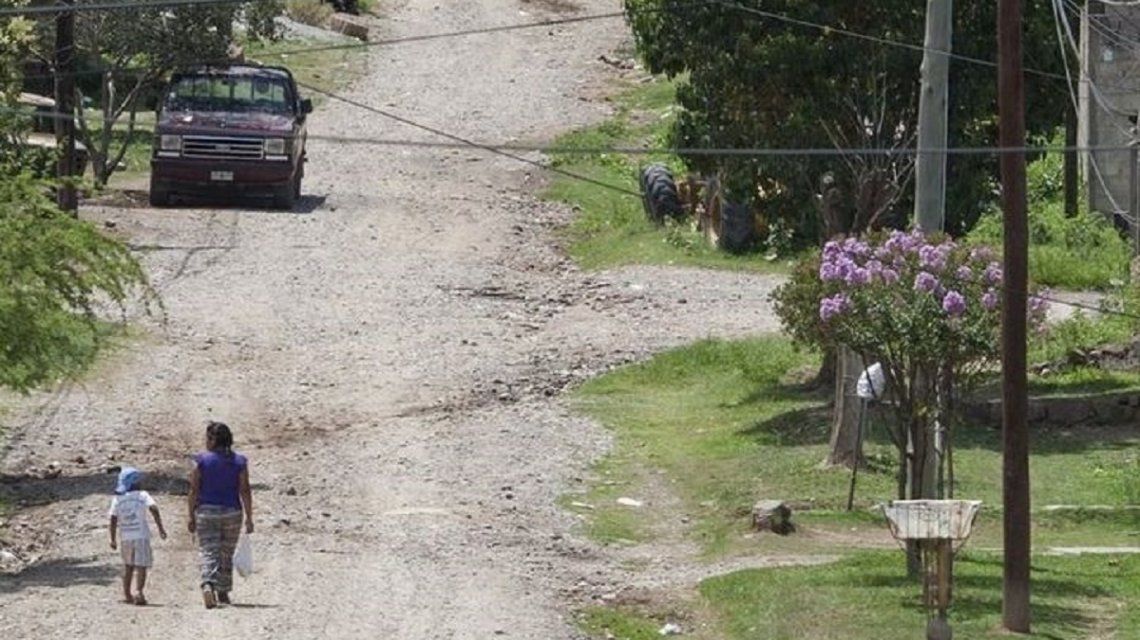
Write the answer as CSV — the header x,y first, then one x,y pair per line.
x,y
229,94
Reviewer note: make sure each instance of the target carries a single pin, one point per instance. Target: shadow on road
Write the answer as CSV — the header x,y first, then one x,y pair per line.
x,y
59,573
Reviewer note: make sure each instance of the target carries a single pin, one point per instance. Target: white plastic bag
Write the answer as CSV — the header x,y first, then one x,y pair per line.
x,y
872,383
243,557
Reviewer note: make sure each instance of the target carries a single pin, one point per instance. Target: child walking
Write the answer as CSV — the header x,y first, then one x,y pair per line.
x,y
128,522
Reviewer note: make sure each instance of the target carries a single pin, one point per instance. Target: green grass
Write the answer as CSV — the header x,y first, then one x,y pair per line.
x,y
868,597
617,623
611,228
722,423
1084,381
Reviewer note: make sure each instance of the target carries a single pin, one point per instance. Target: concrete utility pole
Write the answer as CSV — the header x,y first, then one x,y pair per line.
x,y
1015,401
933,103
930,182
66,197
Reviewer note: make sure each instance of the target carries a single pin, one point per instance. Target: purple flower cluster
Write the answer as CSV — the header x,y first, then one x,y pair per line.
x,y
954,304
933,257
833,306
990,299
993,274
926,282
841,260
955,279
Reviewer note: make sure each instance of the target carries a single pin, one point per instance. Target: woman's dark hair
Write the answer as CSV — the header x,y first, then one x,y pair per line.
x,y
223,437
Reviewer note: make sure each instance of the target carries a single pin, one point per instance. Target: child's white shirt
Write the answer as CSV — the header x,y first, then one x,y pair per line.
x,y
130,508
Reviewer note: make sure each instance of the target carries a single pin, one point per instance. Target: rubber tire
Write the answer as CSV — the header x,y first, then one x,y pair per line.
x,y
737,233
659,194
286,197
158,197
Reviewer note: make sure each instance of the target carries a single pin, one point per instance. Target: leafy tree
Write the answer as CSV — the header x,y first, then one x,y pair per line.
x,y
131,52
754,81
56,274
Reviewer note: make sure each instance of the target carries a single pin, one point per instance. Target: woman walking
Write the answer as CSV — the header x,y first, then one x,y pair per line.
x,y
219,493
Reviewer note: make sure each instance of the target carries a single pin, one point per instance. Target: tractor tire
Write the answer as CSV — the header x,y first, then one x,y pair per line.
x,y
659,194
737,232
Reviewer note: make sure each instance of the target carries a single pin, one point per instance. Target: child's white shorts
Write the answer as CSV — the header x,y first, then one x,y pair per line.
x,y
136,553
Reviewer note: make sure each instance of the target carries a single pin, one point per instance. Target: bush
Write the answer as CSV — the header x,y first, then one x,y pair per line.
x,y
1080,252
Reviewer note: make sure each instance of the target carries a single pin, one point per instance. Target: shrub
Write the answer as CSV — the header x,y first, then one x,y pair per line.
x,y
1079,252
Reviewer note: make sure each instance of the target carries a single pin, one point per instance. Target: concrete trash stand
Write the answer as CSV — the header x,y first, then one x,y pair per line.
x,y
940,527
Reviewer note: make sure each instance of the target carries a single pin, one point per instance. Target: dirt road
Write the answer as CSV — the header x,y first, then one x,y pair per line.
x,y
391,358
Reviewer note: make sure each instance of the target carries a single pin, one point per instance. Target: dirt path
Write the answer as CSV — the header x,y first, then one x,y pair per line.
x,y
391,360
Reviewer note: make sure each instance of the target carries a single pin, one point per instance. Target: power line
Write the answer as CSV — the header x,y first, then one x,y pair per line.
x,y
576,150
448,34
470,143
52,9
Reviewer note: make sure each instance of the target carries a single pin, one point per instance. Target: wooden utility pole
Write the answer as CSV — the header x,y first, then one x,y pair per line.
x,y
1072,181
930,186
1015,428
66,197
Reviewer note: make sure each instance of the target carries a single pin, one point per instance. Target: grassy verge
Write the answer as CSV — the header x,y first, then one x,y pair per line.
x,y
611,228
867,596
723,425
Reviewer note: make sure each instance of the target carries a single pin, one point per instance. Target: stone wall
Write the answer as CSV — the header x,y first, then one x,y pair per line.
x,y
1121,408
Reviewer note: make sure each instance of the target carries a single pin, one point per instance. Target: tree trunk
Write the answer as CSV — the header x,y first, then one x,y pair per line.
x,y
827,369
846,450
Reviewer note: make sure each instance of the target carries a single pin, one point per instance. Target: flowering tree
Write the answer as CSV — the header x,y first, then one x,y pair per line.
x,y
925,307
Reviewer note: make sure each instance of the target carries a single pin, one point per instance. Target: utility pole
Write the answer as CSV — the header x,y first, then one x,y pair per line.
x,y
66,197
930,185
1072,180
1071,169
1015,429
933,103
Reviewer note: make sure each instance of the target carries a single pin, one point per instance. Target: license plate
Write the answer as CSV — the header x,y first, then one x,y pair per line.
x,y
222,176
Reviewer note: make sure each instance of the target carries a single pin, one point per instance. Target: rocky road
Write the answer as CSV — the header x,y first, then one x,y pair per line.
x,y
392,357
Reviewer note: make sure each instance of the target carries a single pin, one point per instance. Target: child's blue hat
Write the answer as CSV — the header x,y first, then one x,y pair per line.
x,y
128,477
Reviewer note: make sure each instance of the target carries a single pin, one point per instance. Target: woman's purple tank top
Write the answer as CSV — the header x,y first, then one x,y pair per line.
x,y
219,474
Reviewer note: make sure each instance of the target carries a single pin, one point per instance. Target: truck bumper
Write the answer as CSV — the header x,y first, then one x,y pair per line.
x,y
195,176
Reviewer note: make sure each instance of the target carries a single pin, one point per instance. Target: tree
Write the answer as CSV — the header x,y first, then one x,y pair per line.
x,y
131,52
56,273
747,80
752,80
924,307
